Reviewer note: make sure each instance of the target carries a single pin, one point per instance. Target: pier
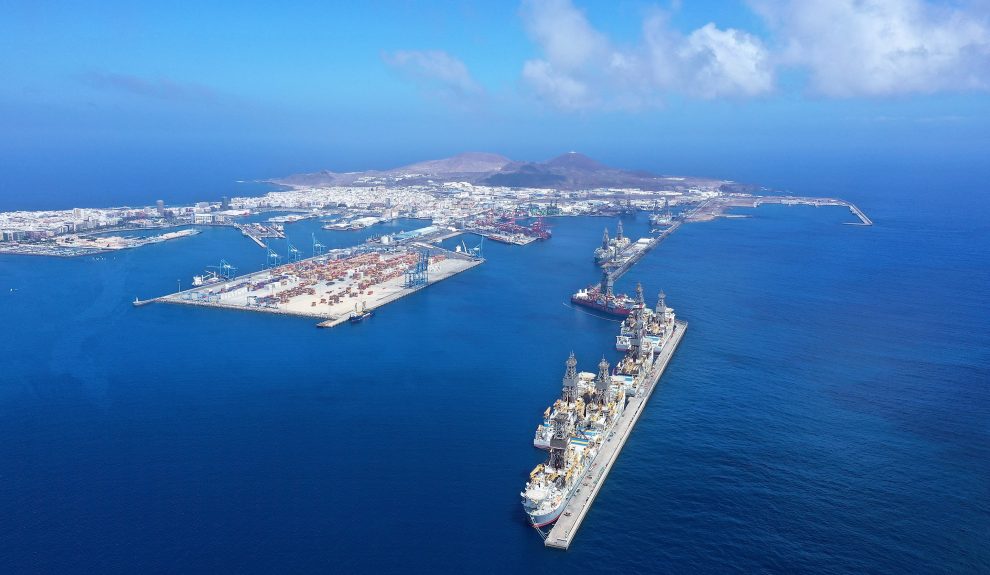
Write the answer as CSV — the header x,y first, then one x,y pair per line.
x,y
328,288
626,265
256,232
562,534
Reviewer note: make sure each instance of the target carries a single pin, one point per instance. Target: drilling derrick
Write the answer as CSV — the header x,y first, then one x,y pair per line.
x,y
570,380
602,382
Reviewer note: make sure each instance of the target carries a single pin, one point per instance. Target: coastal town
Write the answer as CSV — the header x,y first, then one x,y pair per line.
x,y
481,193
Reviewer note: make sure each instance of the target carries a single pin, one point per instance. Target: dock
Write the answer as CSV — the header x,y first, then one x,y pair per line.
x,y
626,265
513,239
257,232
562,534
328,288
390,297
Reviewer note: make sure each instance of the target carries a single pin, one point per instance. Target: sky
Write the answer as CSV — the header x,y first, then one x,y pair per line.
x,y
114,91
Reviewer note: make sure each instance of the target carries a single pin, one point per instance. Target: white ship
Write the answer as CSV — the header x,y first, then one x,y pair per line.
x,y
585,413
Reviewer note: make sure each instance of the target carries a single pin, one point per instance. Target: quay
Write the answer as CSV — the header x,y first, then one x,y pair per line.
x,y
332,286
627,264
256,232
514,239
562,534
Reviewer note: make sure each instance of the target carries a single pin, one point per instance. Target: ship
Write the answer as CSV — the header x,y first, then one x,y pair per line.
x,y
611,248
663,218
215,274
600,297
360,314
585,414
210,277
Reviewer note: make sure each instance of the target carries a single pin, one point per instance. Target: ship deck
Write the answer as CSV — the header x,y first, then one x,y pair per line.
x,y
564,530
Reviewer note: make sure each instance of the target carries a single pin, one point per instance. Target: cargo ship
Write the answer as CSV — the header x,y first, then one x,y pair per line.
x,y
576,425
600,297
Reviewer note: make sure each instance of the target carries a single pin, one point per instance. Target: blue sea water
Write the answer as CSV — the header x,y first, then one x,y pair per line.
x,y
827,412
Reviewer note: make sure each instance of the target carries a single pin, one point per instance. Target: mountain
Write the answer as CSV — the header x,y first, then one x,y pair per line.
x,y
570,171
466,163
577,162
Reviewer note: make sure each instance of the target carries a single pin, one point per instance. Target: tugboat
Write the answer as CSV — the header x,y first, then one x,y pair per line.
x,y
359,315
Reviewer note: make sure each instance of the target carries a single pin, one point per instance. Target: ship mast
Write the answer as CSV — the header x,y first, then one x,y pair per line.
x,y
570,380
602,382
559,441
606,286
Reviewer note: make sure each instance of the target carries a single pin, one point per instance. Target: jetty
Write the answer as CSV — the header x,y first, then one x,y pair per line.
x,y
716,207
562,534
626,264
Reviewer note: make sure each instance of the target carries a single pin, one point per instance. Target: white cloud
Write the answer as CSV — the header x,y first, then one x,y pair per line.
x,y
563,32
581,68
726,63
553,85
435,70
882,47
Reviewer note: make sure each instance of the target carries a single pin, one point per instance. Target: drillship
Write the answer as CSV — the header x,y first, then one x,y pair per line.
x,y
583,415
588,408
611,248
662,218
601,298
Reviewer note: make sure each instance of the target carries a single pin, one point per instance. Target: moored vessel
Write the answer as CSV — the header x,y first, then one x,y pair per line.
x,y
600,297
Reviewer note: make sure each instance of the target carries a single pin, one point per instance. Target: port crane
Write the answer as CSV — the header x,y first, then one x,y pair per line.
x,y
475,252
419,274
227,270
272,256
293,252
317,247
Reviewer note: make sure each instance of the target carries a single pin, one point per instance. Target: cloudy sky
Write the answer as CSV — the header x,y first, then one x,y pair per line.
x,y
675,85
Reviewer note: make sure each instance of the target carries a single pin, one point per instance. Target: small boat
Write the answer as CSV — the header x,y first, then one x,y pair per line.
x,y
359,315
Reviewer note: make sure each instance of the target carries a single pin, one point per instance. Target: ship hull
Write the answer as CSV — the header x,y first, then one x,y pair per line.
x,y
548,518
360,318
603,308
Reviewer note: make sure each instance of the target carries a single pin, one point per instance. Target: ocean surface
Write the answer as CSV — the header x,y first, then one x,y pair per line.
x,y
828,410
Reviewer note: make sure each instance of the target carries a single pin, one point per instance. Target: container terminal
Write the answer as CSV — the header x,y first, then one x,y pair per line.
x,y
332,286
504,229
585,429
